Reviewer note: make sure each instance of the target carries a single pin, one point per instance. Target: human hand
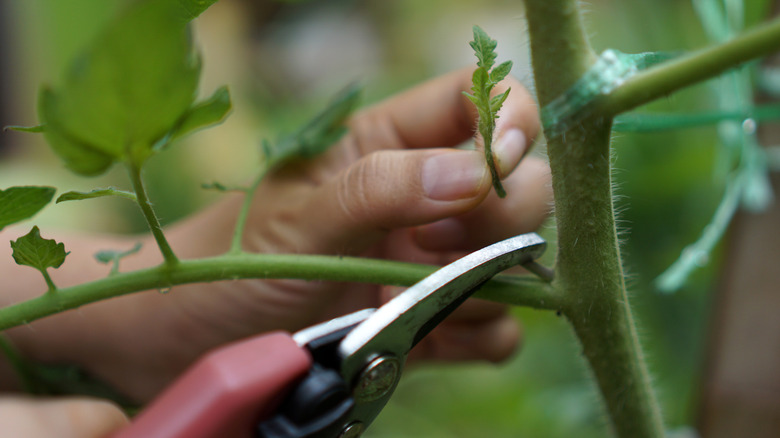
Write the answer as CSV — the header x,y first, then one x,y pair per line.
x,y
22,417
394,187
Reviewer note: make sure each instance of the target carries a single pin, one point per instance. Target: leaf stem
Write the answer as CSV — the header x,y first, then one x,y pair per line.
x,y
488,139
243,215
511,289
49,282
151,218
677,73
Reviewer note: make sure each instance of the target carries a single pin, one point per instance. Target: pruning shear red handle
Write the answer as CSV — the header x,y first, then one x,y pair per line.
x,y
330,380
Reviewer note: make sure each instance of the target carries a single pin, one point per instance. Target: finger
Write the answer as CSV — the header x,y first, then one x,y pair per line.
x,y
494,340
387,190
527,205
72,417
437,114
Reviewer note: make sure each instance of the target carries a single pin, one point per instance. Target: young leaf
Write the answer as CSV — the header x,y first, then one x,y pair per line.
x,y
114,256
203,114
483,81
33,129
500,72
484,47
316,136
39,253
20,203
97,193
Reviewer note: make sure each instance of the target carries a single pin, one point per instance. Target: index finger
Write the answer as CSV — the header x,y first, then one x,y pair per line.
x,y
437,114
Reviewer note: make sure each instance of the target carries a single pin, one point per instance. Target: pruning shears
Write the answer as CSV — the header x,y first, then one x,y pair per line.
x,y
329,380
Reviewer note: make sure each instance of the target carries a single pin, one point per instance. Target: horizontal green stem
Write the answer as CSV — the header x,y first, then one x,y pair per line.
x,y
511,289
686,70
653,122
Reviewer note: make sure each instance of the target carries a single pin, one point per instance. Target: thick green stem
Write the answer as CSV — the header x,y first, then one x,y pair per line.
x,y
151,217
672,75
510,289
589,273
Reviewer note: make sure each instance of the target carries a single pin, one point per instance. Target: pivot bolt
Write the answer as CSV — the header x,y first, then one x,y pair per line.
x,y
377,378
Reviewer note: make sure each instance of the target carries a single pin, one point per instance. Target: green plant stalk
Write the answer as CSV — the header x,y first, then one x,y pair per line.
x,y
487,137
672,75
236,245
589,274
511,289
150,216
655,122
49,281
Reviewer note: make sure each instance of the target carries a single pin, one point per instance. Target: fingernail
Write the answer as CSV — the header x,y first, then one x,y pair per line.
x,y
453,175
509,150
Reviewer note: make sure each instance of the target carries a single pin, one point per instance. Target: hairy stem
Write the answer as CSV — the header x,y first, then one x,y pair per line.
x,y
510,289
151,217
488,139
589,274
680,72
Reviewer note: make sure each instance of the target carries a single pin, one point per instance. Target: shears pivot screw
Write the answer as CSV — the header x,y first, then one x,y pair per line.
x,y
377,378
353,430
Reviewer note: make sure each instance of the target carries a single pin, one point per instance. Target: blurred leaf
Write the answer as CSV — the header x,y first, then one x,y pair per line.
x,y
125,92
20,203
193,8
317,135
33,129
218,186
115,256
37,252
203,114
97,193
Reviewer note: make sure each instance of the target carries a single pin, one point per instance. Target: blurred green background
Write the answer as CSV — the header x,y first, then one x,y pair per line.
x,y
283,59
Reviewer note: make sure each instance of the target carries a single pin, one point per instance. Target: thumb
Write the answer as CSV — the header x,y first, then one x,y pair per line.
x,y
392,189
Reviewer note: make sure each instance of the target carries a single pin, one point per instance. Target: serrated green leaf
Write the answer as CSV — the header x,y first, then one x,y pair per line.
x,y
316,136
498,100
37,252
483,81
126,91
472,98
480,80
20,203
97,193
484,48
500,72
33,129
203,114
